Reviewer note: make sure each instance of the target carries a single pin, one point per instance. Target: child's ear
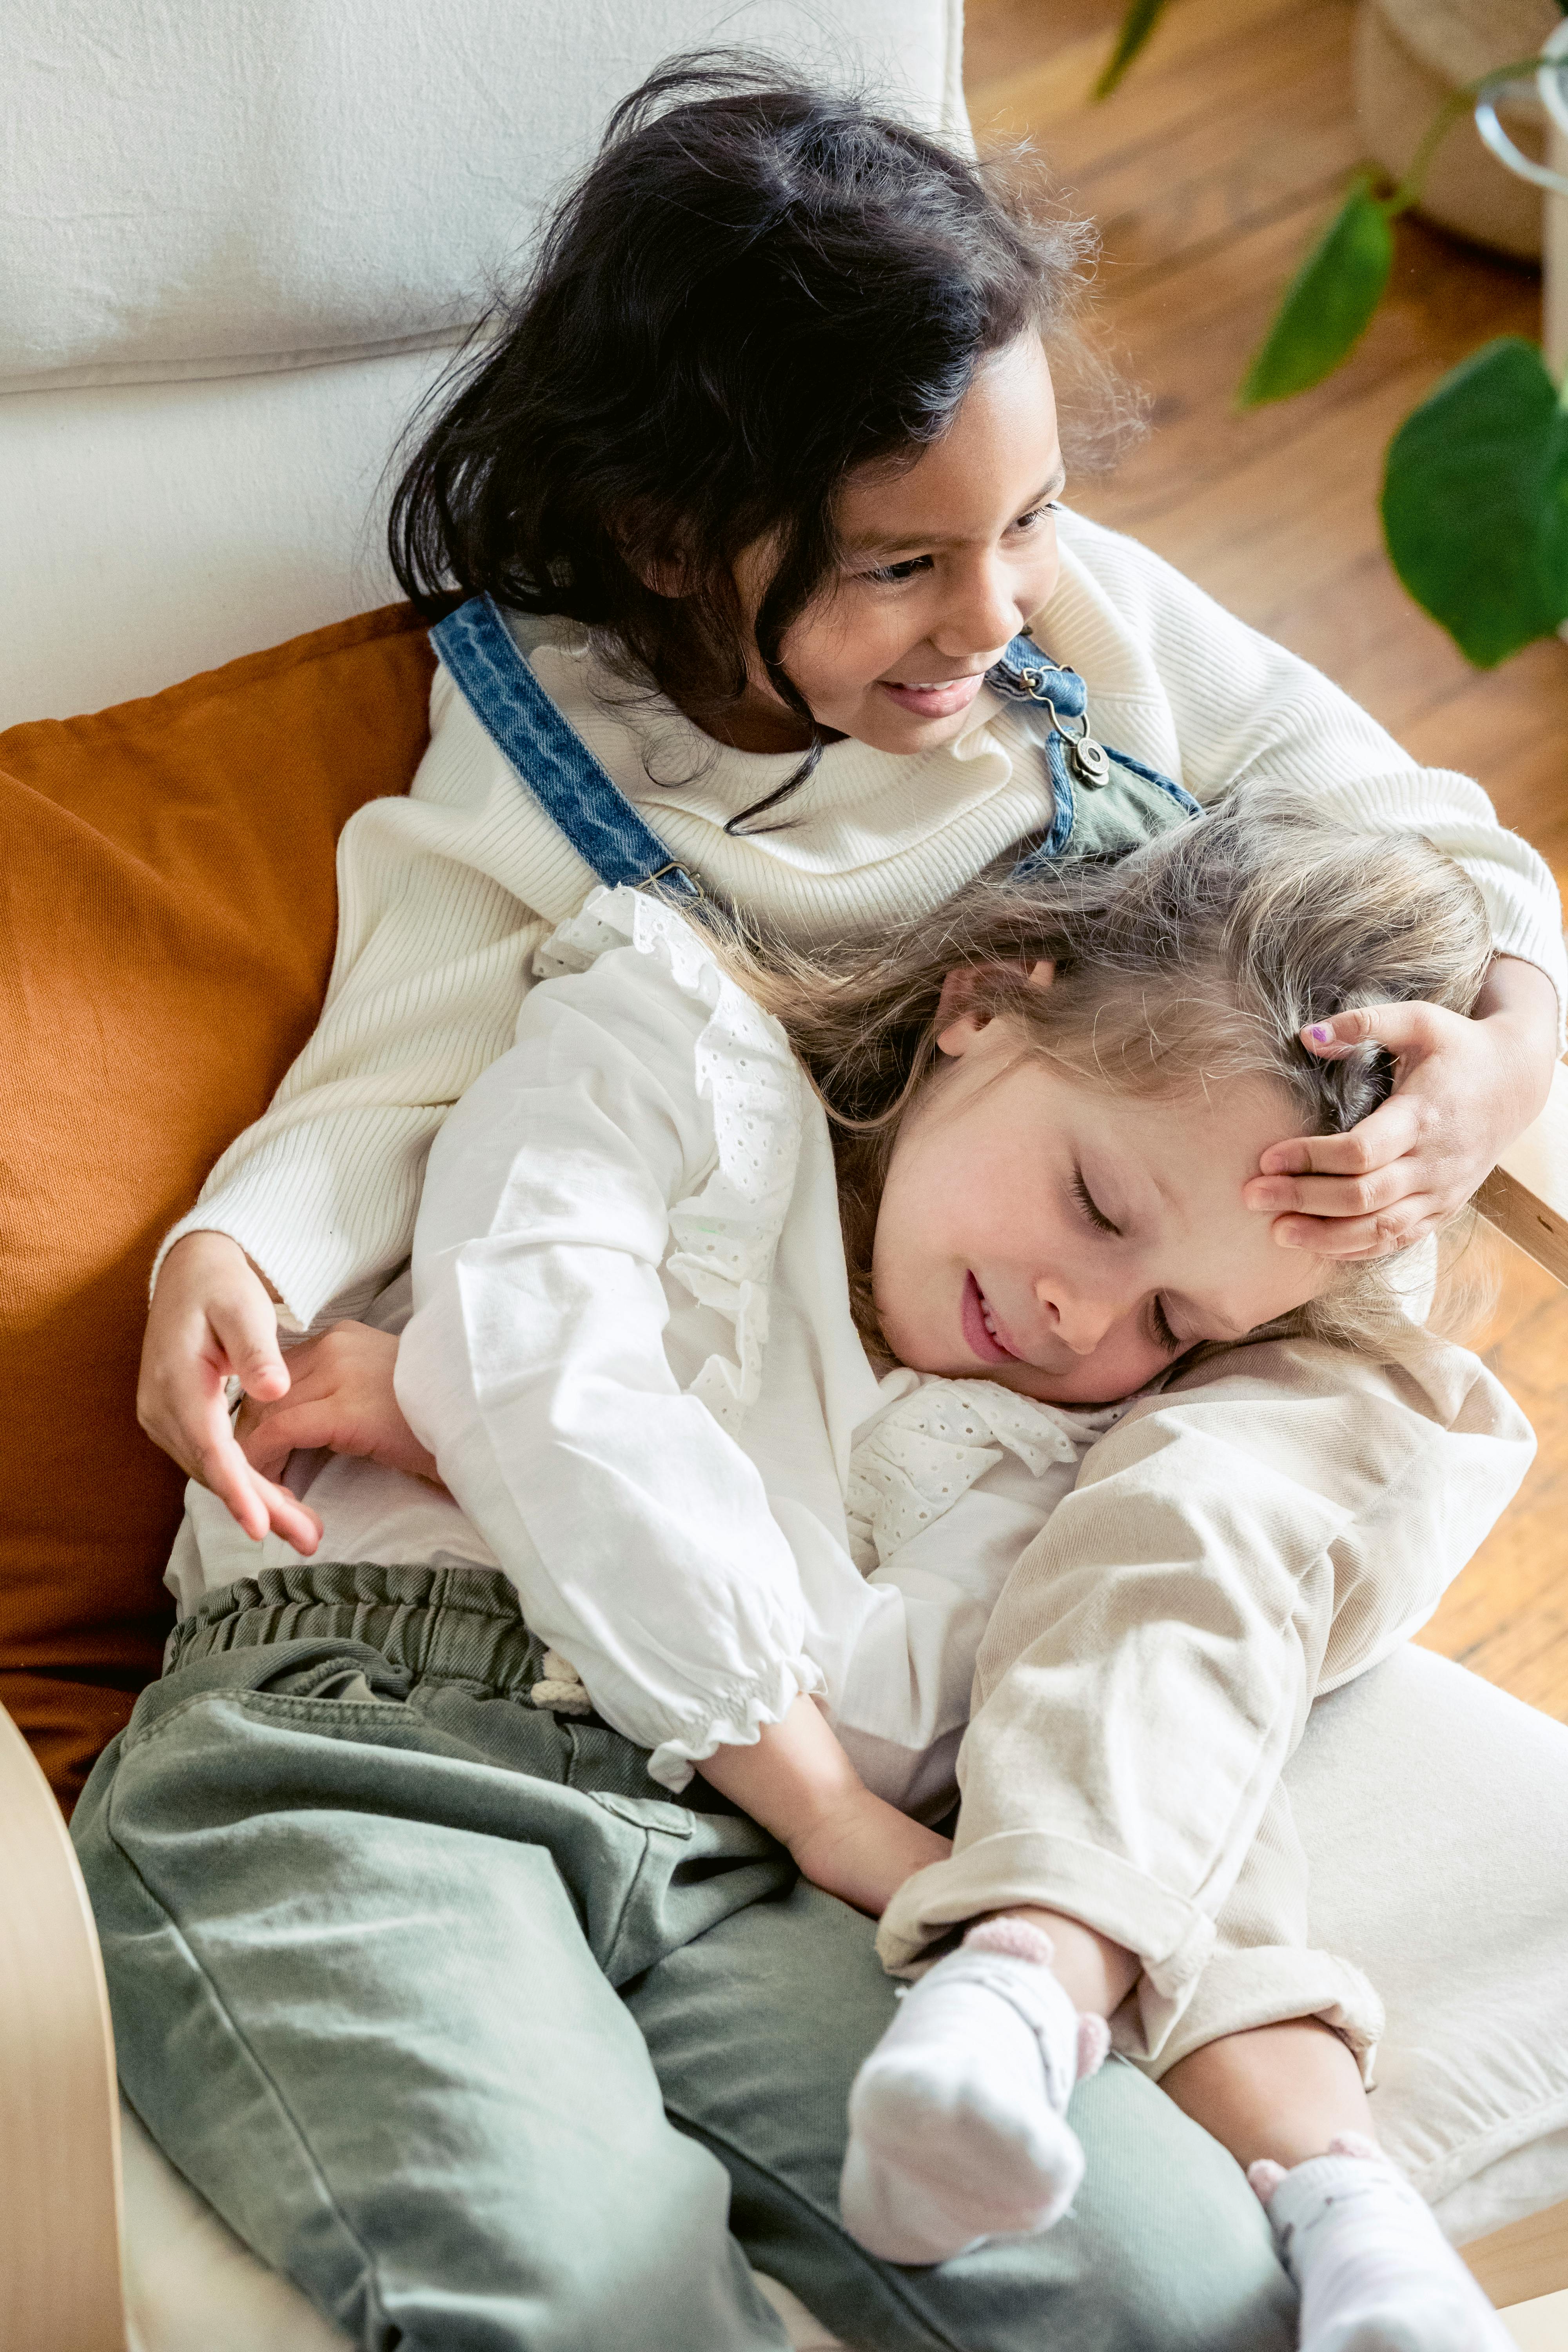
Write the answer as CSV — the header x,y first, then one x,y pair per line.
x,y
959,1020
957,996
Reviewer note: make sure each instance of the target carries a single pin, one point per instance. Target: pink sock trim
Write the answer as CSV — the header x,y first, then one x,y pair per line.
x,y
1093,2042
1017,1937
1263,2178
1024,1941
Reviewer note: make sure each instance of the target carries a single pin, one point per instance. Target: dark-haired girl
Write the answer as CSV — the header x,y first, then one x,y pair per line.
x,y
753,495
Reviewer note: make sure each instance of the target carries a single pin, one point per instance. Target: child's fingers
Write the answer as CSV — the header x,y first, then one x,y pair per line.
x,y
308,1384
218,1463
262,1507
244,1325
1389,1133
295,1426
1348,1237
293,1520
1334,1196
1399,1029
319,1367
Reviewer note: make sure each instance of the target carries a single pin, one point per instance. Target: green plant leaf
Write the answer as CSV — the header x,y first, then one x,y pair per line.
x,y
1136,25
1475,502
1327,304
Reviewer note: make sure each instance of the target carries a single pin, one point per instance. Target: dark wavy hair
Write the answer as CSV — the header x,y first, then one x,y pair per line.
x,y
757,286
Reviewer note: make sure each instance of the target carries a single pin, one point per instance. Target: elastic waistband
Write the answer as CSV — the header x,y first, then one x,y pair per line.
x,y
451,1624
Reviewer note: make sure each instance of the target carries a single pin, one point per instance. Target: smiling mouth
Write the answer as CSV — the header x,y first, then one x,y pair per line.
x,y
941,697
980,1331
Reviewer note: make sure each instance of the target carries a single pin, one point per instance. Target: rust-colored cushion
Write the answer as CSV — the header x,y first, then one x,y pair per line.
x,y
167,882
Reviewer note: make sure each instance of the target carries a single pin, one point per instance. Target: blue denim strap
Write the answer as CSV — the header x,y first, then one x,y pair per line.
x,y
1064,811
579,796
1025,674
569,784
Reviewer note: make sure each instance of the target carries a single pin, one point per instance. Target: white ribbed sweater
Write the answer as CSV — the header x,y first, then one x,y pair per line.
x,y
445,895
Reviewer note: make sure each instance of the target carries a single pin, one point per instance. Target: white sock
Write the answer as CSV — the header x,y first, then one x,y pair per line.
x,y
1376,2273
957,2119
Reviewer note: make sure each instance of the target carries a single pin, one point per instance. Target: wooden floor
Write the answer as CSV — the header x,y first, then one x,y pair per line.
x,y
1207,174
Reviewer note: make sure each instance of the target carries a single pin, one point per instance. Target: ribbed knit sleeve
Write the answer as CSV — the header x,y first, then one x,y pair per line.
x,y
1242,709
432,961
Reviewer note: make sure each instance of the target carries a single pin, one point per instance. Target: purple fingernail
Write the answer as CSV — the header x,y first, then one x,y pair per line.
x,y
1321,1035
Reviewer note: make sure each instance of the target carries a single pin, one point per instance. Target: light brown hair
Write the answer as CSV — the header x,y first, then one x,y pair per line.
x,y
1198,957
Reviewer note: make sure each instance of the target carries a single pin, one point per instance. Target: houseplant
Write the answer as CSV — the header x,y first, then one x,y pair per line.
x,y
1475,493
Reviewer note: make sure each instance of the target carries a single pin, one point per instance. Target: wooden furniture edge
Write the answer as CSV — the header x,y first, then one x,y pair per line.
x,y
60,2210
1527,2259
1526,1195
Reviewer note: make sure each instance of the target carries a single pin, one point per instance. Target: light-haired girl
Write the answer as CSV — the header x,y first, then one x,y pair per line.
x,y
761,1496
753,494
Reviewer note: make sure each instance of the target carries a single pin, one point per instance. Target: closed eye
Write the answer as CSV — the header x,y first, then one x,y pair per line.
x,y
1160,1327
1090,1206
1160,1330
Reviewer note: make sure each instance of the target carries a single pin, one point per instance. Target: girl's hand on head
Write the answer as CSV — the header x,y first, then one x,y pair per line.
x,y
340,1396
213,1320
1464,1088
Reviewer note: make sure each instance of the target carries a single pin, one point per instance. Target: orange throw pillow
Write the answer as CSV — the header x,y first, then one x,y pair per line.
x,y
167,878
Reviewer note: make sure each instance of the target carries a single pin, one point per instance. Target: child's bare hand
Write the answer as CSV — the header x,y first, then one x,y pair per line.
x,y
211,1321
1463,1089
340,1396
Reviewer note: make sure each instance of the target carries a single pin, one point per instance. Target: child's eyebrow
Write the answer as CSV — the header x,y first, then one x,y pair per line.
x,y
873,546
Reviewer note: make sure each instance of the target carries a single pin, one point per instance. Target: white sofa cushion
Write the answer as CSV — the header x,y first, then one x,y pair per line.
x,y
193,187
250,189
152,531
1442,1804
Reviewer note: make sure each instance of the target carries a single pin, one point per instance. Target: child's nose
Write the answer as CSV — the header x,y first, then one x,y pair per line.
x,y
1080,1319
981,616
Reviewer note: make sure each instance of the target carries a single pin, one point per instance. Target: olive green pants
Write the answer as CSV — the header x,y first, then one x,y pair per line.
x,y
466,2028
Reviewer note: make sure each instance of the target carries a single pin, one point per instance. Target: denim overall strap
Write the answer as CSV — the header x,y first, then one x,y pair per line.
x,y
569,784
1025,674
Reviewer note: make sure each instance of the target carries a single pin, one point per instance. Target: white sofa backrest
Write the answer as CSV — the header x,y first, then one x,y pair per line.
x,y
239,238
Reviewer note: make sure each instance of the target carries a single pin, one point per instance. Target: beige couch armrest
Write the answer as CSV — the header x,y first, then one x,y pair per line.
x,y
1526,1195
59,2121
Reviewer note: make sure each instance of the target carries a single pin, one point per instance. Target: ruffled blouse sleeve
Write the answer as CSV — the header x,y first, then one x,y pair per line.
x,y
648,1117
